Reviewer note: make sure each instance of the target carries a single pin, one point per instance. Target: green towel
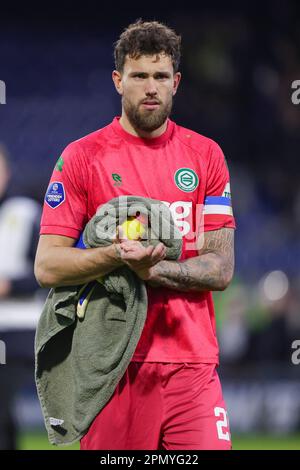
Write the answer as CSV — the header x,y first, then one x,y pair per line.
x,y
79,362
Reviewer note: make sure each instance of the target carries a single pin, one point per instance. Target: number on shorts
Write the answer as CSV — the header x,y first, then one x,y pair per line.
x,y
222,423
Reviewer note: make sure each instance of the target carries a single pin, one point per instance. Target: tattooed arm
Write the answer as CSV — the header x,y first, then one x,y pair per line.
x,y
212,270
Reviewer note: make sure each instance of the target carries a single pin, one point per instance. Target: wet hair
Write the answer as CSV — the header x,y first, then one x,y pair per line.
x,y
147,38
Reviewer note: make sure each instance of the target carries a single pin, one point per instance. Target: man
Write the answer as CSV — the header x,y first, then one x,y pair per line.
x,y
19,310
170,396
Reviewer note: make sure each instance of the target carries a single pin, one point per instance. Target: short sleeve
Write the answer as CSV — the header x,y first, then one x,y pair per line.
x,y
65,204
217,209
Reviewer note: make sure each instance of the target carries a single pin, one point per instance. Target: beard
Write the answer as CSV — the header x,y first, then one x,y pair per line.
x,y
144,119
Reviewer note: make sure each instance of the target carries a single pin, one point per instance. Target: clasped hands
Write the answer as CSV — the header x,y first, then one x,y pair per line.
x,y
139,258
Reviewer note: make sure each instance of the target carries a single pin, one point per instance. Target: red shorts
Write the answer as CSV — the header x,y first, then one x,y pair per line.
x,y
163,406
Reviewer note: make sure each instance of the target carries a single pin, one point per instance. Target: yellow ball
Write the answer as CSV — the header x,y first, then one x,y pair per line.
x,y
133,229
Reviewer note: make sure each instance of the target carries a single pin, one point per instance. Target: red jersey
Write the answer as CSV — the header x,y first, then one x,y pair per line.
x,y
182,168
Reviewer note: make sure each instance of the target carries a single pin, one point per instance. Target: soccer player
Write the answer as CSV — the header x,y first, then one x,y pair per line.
x,y
170,396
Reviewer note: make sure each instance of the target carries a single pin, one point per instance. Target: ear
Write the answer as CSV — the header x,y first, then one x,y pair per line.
x,y
176,81
117,79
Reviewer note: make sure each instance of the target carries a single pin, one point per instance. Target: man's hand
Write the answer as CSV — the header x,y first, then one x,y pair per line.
x,y
212,270
139,258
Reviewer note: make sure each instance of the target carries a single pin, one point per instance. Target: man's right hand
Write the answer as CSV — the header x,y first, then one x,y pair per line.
x,y
135,255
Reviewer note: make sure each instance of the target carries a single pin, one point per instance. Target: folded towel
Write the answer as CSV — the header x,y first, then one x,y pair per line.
x,y
79,361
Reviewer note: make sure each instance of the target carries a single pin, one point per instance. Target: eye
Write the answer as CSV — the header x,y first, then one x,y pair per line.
x,y
138,76
162,77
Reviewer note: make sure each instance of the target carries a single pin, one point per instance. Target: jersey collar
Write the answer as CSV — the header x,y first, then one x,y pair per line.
x,y
139,140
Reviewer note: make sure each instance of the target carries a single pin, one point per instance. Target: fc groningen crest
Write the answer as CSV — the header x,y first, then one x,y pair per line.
x,y
186,179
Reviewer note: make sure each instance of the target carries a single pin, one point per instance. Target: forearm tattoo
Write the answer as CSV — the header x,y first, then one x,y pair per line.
x,y
211,270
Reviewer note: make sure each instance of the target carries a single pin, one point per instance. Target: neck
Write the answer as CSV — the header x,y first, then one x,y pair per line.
x,y
127,126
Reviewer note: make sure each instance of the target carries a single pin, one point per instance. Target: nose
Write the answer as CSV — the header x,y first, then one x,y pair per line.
x,y
150,87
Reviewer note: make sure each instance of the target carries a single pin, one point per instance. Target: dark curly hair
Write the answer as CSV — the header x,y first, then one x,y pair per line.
x,y
147,38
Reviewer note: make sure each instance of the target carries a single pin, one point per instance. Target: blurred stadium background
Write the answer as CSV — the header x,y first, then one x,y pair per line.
x,y
239,61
